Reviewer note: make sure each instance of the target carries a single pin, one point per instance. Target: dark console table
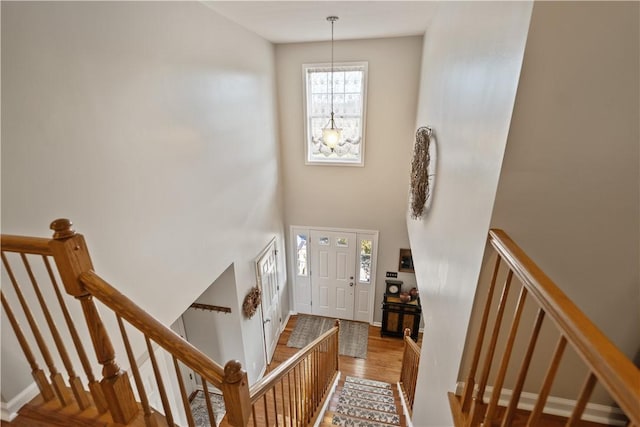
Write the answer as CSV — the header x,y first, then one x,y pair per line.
x,y
397,316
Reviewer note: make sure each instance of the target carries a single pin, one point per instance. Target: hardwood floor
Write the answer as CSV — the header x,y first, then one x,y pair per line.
x,y
383,362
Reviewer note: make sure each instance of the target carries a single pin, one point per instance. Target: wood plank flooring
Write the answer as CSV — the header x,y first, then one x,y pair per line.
x,y
383,362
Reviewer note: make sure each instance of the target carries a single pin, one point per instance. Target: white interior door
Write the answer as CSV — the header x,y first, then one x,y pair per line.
x,y
267,274
333,264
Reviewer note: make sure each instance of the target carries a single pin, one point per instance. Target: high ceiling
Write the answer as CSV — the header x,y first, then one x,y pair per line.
x,y
305,21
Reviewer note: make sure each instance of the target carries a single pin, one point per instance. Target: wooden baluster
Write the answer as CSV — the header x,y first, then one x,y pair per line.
x,y
534,417
275,405
150,420
291,414
38,374
504,364
284,406
253,415
56,379
94,386
207,397
72,259
183,394
58,383
581,404
479,397
266,409
296,395
337,344
507,419
470,381
235,389
163,392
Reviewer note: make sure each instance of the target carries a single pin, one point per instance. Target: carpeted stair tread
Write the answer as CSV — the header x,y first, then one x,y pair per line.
x,y
367,382
368,414
347,421
369,389
376,397
367,404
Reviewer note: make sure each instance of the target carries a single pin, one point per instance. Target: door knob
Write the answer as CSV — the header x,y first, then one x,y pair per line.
x,y
350,283
266,321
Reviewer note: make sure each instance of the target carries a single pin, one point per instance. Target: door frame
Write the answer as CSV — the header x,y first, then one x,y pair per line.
x,y
296,280
272,244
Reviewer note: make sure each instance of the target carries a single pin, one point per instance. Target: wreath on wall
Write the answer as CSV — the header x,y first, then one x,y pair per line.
x,y
252,301
420,190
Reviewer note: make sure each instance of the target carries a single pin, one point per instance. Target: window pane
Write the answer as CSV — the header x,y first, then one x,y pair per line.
x,y
348,95
301,255
342,242
323,241
365,261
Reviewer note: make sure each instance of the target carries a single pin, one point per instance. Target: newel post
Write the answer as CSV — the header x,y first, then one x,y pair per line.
x,y
72,258
235,390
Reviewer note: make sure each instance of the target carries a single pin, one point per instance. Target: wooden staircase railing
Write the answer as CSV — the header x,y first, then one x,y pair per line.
x,y
292,394
604,362
409,370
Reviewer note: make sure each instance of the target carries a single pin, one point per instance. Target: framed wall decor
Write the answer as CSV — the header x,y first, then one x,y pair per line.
x,y
405,263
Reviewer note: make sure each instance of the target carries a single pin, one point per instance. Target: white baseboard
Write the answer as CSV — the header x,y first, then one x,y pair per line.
x,y
604,414
9,410
327,400
286,320
405,409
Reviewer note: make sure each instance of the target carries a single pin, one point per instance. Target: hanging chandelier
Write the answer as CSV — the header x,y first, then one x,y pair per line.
x,y
331,133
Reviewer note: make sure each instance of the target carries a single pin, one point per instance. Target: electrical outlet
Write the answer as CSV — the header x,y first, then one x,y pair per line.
x,y
392,274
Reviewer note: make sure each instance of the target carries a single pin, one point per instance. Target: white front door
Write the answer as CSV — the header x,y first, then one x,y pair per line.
x,y
267,274
333,265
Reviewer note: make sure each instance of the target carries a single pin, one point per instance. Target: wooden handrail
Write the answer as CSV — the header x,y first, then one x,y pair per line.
x,y
26,245
154,329
271,379
612,368
408,341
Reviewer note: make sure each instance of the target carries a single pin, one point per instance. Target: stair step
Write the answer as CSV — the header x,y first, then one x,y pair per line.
x,y
376,397
367,382
368,414
367,404
347,421
368,389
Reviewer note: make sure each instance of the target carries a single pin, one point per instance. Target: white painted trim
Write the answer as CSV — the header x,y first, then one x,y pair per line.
x,y
9,410
604,414
344,230
405,409
377,324
325,405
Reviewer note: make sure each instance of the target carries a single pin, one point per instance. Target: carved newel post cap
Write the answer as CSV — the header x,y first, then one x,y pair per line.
x,y
233,371
62,228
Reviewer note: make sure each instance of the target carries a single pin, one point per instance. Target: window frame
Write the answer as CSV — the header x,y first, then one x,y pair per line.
x,y
307,141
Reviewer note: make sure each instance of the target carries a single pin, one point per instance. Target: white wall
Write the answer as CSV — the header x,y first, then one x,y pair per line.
x,y
373,197
470,67
151,126
216,333
569,186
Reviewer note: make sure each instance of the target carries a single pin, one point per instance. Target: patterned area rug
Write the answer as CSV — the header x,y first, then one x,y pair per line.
x,y
200,412
354,336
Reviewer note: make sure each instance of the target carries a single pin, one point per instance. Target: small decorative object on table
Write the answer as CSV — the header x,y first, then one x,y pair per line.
x,y
414,293
405,297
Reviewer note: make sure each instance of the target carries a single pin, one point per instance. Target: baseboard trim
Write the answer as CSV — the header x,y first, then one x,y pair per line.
x,y
9,410
405,409
286,320
595,412
325,405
